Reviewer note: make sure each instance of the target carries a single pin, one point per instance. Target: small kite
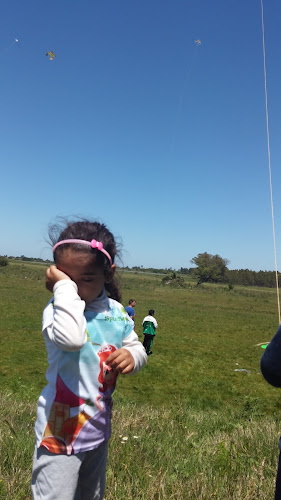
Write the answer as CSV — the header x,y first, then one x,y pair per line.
x,y
51,55
198,42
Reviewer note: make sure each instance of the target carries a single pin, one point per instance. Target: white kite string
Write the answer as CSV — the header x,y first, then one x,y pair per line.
x,y
3,51
269,165
181,97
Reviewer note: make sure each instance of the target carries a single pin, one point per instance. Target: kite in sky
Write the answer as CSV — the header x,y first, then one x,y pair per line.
x,y
198,42
51,55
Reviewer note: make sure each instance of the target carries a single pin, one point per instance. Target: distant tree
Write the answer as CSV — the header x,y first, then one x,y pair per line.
x,y
3,261
210,268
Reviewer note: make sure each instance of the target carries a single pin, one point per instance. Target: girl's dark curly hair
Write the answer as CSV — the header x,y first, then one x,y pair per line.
x,y
88,230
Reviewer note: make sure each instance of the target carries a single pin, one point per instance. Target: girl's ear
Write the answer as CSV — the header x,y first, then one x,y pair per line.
x,y
110,273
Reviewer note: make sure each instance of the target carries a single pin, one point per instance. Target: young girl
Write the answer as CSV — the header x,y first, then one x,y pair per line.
x,y
90,340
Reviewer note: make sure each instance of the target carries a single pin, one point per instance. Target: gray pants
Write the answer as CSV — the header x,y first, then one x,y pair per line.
x,y
69,477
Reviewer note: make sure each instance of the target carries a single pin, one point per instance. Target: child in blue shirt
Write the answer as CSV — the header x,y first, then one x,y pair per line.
x,y
130,309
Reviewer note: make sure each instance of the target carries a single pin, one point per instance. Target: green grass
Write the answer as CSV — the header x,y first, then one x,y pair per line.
x,y
204,431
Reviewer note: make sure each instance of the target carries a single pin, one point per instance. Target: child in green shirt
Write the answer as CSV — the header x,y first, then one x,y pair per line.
x,y
149,326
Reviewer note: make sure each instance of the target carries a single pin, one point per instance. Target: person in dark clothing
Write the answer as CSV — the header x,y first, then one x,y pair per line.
x,y
271,370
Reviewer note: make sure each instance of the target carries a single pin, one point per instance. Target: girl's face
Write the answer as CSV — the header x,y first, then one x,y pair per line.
x,y
82,269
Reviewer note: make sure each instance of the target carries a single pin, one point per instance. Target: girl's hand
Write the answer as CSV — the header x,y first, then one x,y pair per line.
x,y
121,360
53,274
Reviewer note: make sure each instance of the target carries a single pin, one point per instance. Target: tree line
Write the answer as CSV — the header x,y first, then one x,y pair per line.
x,y
213,269
208,269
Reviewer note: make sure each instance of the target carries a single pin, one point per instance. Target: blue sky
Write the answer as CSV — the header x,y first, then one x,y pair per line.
x,y
134,125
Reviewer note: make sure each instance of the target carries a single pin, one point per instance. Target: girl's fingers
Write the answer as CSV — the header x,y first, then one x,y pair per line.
x,y
127,369
123,364
53,274
111,360
121,360
114,363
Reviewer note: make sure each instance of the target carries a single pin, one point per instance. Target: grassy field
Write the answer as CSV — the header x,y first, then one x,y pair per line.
x,y
197,429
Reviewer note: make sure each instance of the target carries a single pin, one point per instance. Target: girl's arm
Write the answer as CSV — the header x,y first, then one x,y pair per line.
x,y
271,361
66,326
136,349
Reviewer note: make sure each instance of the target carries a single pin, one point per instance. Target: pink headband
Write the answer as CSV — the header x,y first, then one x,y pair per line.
x,y
93,244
